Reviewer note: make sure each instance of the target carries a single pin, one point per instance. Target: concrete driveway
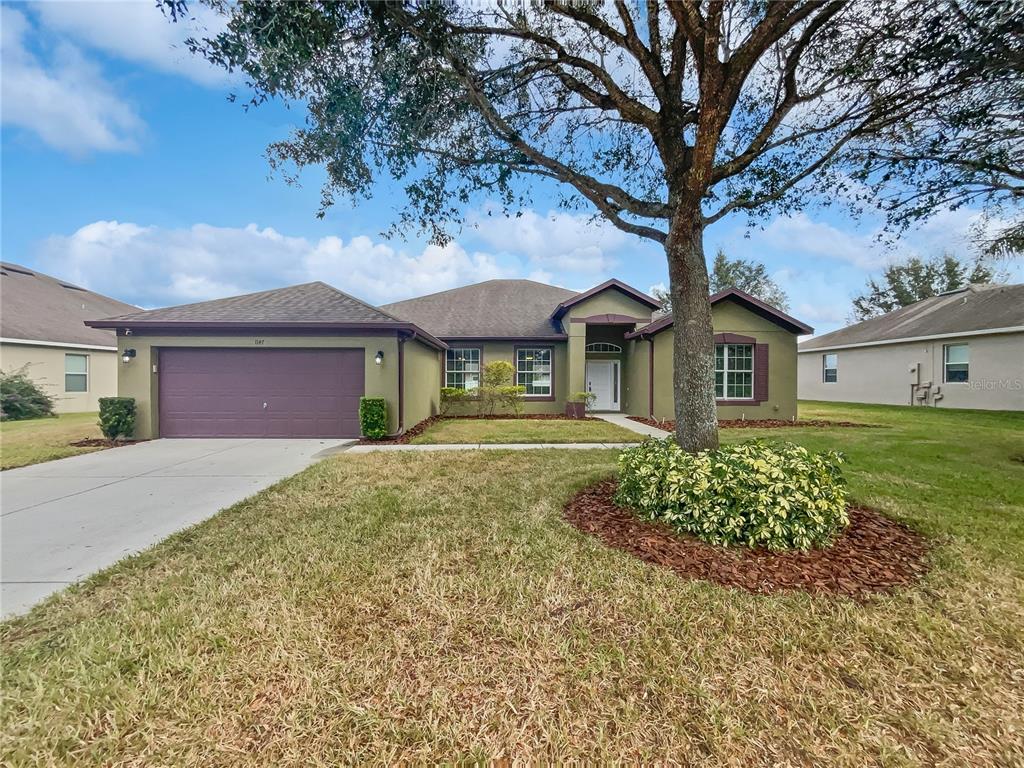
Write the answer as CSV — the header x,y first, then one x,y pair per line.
x,y
64,520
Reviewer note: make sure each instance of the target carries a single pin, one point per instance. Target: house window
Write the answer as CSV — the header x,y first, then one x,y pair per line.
x,y
603,346
734,371
830,368
462,369
76,373
533,370
957,362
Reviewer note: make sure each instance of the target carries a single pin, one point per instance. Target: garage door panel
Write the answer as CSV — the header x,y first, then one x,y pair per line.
x,y
221,392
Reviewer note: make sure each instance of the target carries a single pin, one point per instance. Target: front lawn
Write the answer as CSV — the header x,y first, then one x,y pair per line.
x,y
491,431
436,606
33,441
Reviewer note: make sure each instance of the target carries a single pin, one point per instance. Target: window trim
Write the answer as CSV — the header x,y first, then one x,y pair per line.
x,y
945,362
480,362
726,398
615,349
76,373
515,364
825,369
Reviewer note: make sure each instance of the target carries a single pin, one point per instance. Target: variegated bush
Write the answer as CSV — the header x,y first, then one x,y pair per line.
x,y
774,495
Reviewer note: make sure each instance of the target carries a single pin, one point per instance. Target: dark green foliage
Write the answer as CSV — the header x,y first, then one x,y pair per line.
x,y
748,276
117,417
373,417
915,279
21,398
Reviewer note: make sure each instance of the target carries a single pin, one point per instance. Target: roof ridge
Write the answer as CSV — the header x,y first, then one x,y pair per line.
x,y
481,282
355,299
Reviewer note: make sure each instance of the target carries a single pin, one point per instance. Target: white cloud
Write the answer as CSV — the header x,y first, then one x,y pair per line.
x,y
154,266
64,98
559,241
137,31
798,233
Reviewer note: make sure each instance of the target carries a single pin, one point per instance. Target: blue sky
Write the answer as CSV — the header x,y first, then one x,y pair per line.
x,y
126,169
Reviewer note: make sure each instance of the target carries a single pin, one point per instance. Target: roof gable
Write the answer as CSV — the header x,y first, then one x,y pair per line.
x,y
967,310
607,285
38,307
755,305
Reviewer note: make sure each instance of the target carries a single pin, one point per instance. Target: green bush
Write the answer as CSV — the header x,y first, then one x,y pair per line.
x,y
373,417
117,417
451,396
21,398
759,494
587,398
497,389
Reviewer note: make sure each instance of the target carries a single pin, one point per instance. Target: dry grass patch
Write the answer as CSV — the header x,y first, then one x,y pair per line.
x,y
492,431
34,441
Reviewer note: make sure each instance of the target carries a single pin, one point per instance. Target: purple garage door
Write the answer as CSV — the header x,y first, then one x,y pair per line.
x,y
260,392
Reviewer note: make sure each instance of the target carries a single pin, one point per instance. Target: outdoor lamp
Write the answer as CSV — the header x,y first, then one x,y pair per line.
x,y
127,355
379,359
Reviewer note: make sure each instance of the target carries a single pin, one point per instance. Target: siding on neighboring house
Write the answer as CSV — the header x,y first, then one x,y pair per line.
x,y
46,367
887,373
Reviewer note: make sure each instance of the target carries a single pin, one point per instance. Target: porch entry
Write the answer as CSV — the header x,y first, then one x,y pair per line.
x,y
603,383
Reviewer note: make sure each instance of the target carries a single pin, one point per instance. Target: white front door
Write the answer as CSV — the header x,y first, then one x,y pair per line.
x,y
603,382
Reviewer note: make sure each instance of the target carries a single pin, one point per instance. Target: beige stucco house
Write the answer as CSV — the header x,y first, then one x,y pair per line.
x,y
42,330
961,349
295,361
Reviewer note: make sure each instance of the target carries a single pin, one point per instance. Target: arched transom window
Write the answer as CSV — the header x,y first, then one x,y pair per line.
x,y
603,346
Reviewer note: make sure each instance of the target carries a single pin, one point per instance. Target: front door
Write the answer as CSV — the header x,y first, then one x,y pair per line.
x,y
603,383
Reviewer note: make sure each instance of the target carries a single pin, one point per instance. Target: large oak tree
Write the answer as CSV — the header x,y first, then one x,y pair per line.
x,y
661,117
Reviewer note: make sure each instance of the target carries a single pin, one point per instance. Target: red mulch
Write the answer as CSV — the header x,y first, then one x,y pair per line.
x,y
418,429
102,442
873,555
669,424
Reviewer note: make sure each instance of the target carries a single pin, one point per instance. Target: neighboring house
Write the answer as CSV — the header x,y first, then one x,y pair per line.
x,y
961,349
42,330
294,362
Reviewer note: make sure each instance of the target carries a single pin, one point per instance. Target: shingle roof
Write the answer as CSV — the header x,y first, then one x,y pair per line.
x,y
307,303
755,305
972,309
492,309
39,307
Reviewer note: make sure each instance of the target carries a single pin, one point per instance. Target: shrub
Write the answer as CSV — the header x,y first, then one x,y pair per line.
x,y
451,396
21,398
497,389
373,417
511,397
587,398
117,417
758,493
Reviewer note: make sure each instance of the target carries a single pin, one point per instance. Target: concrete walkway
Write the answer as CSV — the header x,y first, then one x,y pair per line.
x,y
66,519
621,420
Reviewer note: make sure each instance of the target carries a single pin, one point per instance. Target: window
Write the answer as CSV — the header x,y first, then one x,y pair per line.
x,y
76,373
462,369
533,370
734,371
957,362
602,346
830,368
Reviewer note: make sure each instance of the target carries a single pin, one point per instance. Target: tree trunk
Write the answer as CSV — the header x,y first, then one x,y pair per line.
x,y
693,370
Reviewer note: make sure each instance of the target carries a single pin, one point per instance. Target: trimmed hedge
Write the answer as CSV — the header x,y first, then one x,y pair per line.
x,y
774,495
117,417
21,398
373,417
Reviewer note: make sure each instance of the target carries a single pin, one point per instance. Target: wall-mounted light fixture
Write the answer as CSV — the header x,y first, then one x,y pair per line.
x,y
379,359
127,355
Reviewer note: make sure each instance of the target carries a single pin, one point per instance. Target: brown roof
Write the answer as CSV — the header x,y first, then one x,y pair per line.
x,y
492,309
310,305
37,307
971,309
755,305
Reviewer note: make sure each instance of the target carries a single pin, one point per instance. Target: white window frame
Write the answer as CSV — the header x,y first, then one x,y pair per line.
x,y
946,363
522,373
448,372
727,369
75,373
603,346
825,368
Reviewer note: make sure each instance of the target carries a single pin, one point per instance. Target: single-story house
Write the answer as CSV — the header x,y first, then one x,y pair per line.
x,y
42,331
960,349
295,361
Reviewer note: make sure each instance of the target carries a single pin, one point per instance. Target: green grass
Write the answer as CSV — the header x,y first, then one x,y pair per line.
x,y
33,441
435,606
491,431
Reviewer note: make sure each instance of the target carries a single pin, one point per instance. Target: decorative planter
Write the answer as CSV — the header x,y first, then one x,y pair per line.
x,y
576,410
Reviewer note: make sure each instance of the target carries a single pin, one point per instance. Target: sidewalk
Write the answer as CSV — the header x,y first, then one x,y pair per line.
x,y
620,420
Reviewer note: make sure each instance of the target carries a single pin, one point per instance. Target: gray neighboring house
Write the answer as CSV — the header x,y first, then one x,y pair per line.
x,y
960,349
42,329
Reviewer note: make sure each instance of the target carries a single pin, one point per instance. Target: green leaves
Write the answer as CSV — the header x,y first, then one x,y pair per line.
x,y
373,417
117,417
758,494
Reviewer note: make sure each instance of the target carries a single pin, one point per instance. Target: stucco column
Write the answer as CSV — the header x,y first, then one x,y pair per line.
x,y
577,358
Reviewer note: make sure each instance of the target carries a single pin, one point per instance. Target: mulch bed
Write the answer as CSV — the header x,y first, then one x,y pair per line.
x,y
418,429
669,424
102,442
873,555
